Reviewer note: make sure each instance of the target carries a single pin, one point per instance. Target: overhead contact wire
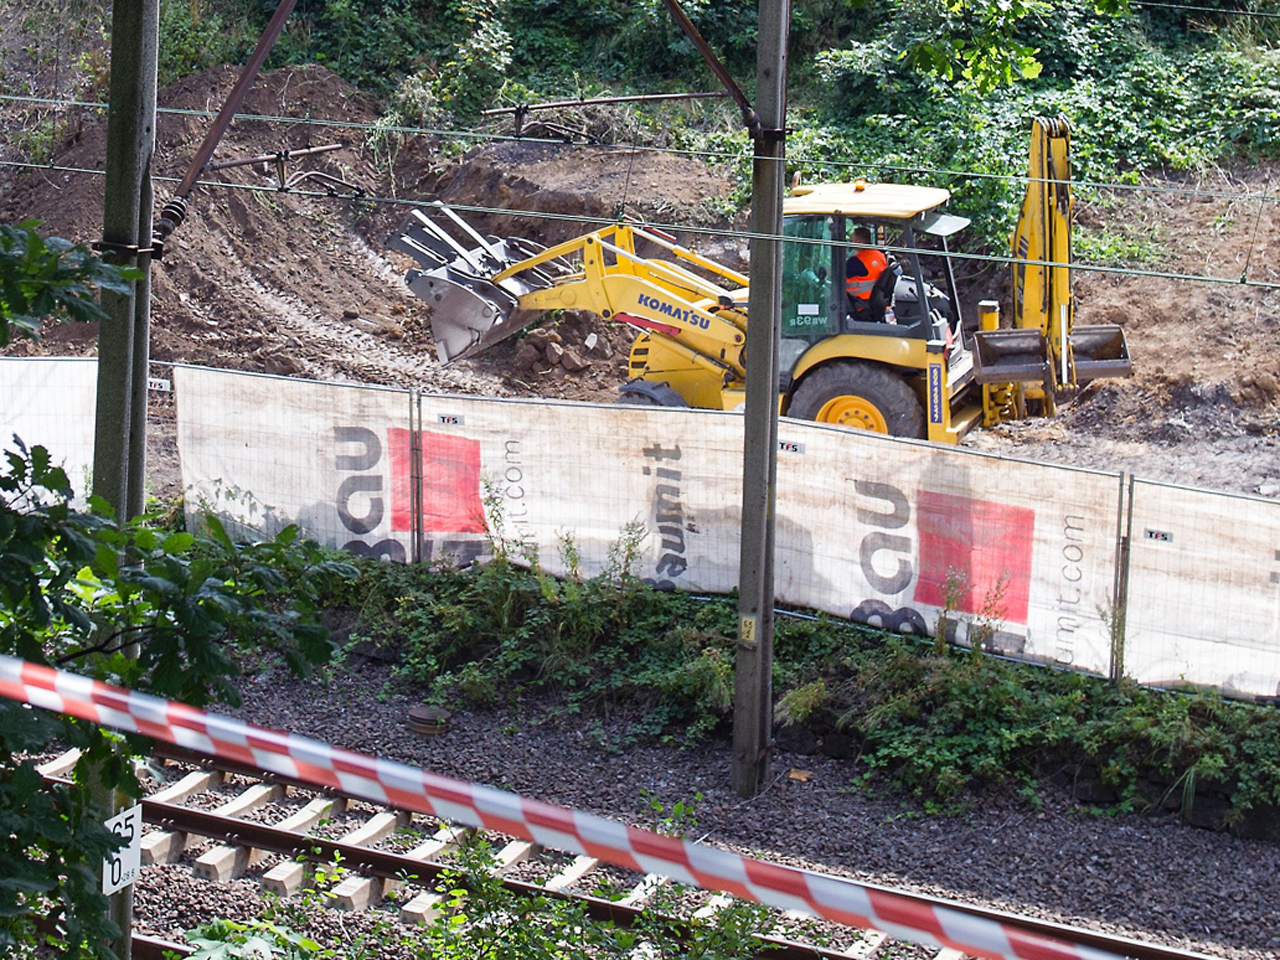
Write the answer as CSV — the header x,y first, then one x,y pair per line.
x,y
1253,242
684,228
1191,8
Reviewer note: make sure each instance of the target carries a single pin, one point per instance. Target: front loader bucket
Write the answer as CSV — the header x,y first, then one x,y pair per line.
x,y
469,309
1100,350
467,313
1008,356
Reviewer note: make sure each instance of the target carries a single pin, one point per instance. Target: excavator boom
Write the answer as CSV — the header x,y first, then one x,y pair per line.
x,y
1045,350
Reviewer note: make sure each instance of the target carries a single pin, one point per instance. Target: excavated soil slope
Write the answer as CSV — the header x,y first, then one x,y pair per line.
x,y
304,286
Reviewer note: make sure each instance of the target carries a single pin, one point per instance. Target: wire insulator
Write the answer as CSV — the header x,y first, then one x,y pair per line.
x,y
171,216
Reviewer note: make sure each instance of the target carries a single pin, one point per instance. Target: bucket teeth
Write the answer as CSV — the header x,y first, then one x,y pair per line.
x,y
470,310
431,245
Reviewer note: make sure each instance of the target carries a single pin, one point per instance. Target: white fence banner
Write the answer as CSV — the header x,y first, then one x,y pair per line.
x,y
52,402
1204,590
264,452
570,478
340,461
897,533
888,532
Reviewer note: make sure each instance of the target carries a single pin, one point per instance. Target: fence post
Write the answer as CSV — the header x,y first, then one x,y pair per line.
x,y
415,474
1119,612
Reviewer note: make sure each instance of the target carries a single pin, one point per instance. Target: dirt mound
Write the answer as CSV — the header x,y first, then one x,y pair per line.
x,y
258,279
295,284
582,183
1198,340
291,284
1203,405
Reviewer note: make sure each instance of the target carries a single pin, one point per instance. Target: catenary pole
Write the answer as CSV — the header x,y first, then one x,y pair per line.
x,y
123,339
753,687
119,458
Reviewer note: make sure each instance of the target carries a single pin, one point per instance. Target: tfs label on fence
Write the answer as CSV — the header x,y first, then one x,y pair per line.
x,y
122,866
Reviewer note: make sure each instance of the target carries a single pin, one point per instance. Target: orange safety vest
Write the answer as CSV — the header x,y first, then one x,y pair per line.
x,y
875,263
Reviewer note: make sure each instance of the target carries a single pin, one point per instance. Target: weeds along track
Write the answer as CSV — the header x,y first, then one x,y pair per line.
x,y
223,823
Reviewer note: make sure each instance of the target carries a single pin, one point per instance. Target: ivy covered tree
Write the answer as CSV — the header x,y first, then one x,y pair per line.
x,y
164,612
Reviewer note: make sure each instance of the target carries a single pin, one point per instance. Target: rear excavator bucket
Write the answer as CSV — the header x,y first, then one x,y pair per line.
x,y
1045,346
470,309
1024,356
1010,356
1100,350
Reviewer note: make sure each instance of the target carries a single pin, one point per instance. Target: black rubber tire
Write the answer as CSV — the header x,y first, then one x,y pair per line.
x,y
637,400
874,385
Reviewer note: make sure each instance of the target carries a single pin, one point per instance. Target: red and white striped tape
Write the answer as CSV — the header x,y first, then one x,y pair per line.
x,y
384,781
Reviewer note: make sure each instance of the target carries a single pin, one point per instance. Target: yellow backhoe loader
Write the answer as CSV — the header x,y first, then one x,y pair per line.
x,y
902,363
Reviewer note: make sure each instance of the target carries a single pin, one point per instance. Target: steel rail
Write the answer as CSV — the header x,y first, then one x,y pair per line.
x,y
153,948
379,863
394,866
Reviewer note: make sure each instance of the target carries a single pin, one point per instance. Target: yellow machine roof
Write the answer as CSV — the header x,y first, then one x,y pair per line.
x,y
890,201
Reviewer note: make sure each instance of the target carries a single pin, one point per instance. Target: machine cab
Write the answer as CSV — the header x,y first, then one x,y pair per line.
x,y
819,225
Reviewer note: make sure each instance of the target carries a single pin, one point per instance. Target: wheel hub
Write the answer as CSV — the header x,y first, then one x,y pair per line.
x,y
853,412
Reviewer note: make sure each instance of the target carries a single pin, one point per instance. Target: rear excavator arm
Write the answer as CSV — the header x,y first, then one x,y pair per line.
x,y
489,289
1042,298
1045,354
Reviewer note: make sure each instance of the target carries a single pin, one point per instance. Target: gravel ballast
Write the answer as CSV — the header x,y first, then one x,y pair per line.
x,y
1147,877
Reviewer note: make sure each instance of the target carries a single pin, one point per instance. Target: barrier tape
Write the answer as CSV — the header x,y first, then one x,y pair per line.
x,y
384,781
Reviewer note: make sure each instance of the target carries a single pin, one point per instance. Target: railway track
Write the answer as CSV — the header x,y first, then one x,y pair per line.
x,y
229,819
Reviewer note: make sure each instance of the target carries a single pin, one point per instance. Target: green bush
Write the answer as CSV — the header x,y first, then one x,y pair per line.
x,y
607,640
936,721
193,39
129,603
126,603
943,724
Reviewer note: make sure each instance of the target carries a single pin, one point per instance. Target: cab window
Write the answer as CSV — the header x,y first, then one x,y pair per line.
x,y
806,278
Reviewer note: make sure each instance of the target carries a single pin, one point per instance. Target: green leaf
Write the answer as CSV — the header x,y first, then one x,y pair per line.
x,y
178,542
218,531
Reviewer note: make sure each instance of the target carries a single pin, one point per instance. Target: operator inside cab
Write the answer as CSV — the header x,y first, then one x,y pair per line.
x,y
868,299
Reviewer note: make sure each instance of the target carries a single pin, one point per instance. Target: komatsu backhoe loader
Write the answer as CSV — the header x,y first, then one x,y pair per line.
x,y
908,366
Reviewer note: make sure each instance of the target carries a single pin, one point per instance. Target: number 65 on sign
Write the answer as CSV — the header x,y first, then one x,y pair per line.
x,y
120,868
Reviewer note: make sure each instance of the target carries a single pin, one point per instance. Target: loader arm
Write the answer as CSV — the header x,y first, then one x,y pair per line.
x,y
697,320
487,289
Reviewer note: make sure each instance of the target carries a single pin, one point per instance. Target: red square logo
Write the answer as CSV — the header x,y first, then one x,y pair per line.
x,y
450,483
981,541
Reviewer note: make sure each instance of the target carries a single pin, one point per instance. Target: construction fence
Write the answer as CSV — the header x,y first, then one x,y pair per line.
x,y
1091,570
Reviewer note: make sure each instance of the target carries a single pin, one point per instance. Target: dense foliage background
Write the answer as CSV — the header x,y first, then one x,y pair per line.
x,y
923,90
898,89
